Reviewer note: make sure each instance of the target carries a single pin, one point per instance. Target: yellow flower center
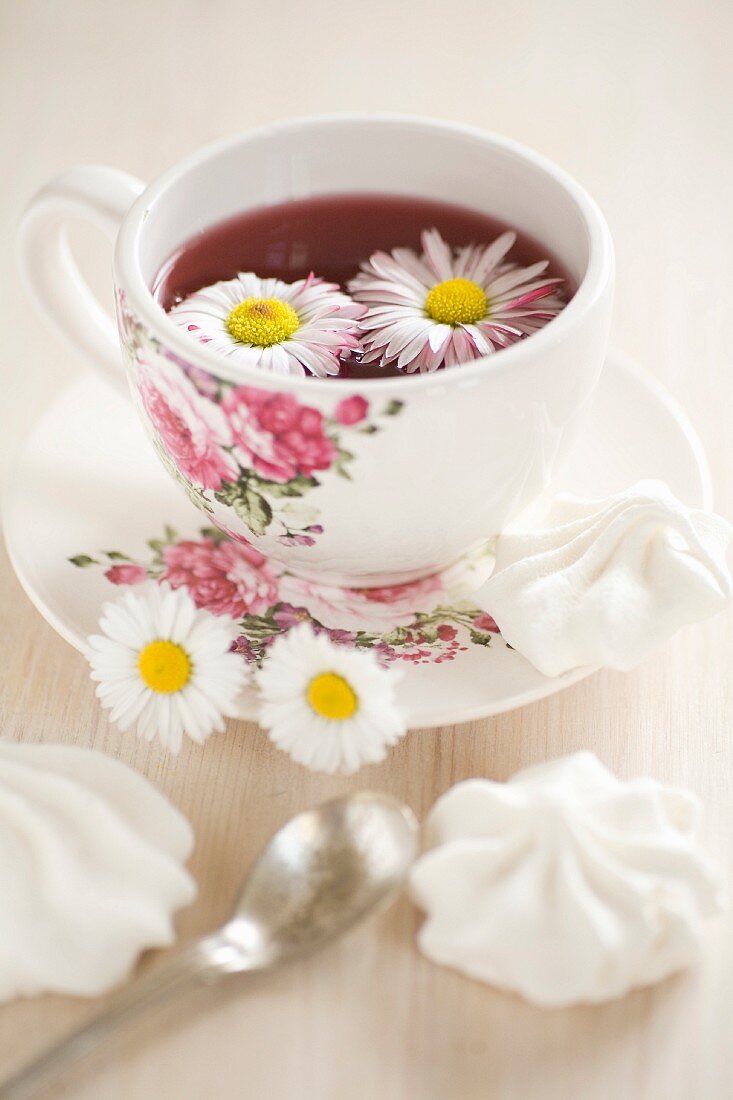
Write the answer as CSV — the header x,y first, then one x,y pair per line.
x,y
262,321
164,667
332,697
457,302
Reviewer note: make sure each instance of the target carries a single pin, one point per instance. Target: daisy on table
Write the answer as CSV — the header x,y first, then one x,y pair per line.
x,y
331,707
446,306
286,328
165,666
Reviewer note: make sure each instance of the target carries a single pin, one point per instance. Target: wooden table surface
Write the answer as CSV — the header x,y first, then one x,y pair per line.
x,y
634,99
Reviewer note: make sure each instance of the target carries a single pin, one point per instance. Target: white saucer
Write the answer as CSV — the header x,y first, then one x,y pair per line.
x,y
88,483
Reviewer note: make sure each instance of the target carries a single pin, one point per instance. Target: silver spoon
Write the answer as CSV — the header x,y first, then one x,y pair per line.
x,y
321,874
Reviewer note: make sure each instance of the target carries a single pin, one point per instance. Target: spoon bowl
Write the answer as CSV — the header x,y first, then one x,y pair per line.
x,y
322,873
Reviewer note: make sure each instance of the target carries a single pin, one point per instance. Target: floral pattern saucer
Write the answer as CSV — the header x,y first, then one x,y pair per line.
x,y
89,510
430,620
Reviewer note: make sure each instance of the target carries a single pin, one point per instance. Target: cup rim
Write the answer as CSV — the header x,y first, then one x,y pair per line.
x,y
599,271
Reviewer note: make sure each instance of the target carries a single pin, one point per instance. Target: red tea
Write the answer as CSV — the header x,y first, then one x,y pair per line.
x,y
330,235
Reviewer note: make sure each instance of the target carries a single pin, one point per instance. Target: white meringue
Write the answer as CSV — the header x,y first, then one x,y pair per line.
x,y
90,869
606,581
565,884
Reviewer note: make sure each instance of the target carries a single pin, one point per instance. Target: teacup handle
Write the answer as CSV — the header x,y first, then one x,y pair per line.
x,y
93,193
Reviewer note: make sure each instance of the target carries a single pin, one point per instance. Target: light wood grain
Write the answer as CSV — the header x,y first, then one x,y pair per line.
x,y
633,98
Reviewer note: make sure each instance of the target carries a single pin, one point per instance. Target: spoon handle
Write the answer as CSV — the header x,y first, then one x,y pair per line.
x,y
147,992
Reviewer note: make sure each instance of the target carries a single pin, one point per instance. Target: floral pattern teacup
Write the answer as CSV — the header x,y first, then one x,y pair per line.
x,y
341,482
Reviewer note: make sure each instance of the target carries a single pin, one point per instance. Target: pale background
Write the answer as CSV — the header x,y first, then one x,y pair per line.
x,y
633,98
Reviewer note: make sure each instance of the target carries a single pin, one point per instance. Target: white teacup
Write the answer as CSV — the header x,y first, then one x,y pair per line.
x,y
455,454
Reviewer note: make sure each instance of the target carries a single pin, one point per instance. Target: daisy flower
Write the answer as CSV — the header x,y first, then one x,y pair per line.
x,y
331,707
287,328
165,665
446,306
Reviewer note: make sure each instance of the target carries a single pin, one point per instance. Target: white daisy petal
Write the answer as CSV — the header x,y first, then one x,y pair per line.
x,y
195,728
517,277
486,260
403,327
406,258
164,719
401,336
398,276
124,715
437,255
409,352
169,695
325,319
480,339
317,360
147,723
438,335
119,625
358,718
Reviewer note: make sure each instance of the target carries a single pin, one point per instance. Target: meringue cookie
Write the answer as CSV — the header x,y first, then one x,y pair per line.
x,y
565,884
606,581
90,869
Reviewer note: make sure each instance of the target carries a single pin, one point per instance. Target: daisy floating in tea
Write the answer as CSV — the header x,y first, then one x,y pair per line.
x,y
449,306
286,328
371,306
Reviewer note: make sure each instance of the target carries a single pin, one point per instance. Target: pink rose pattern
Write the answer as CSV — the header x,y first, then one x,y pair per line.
x,y
224,577
194,432
375,609
275,436
246,448
352,410
126,574
230,577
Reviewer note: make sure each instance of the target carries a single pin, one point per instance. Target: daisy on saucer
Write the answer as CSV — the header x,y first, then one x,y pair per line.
x,y
331,707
